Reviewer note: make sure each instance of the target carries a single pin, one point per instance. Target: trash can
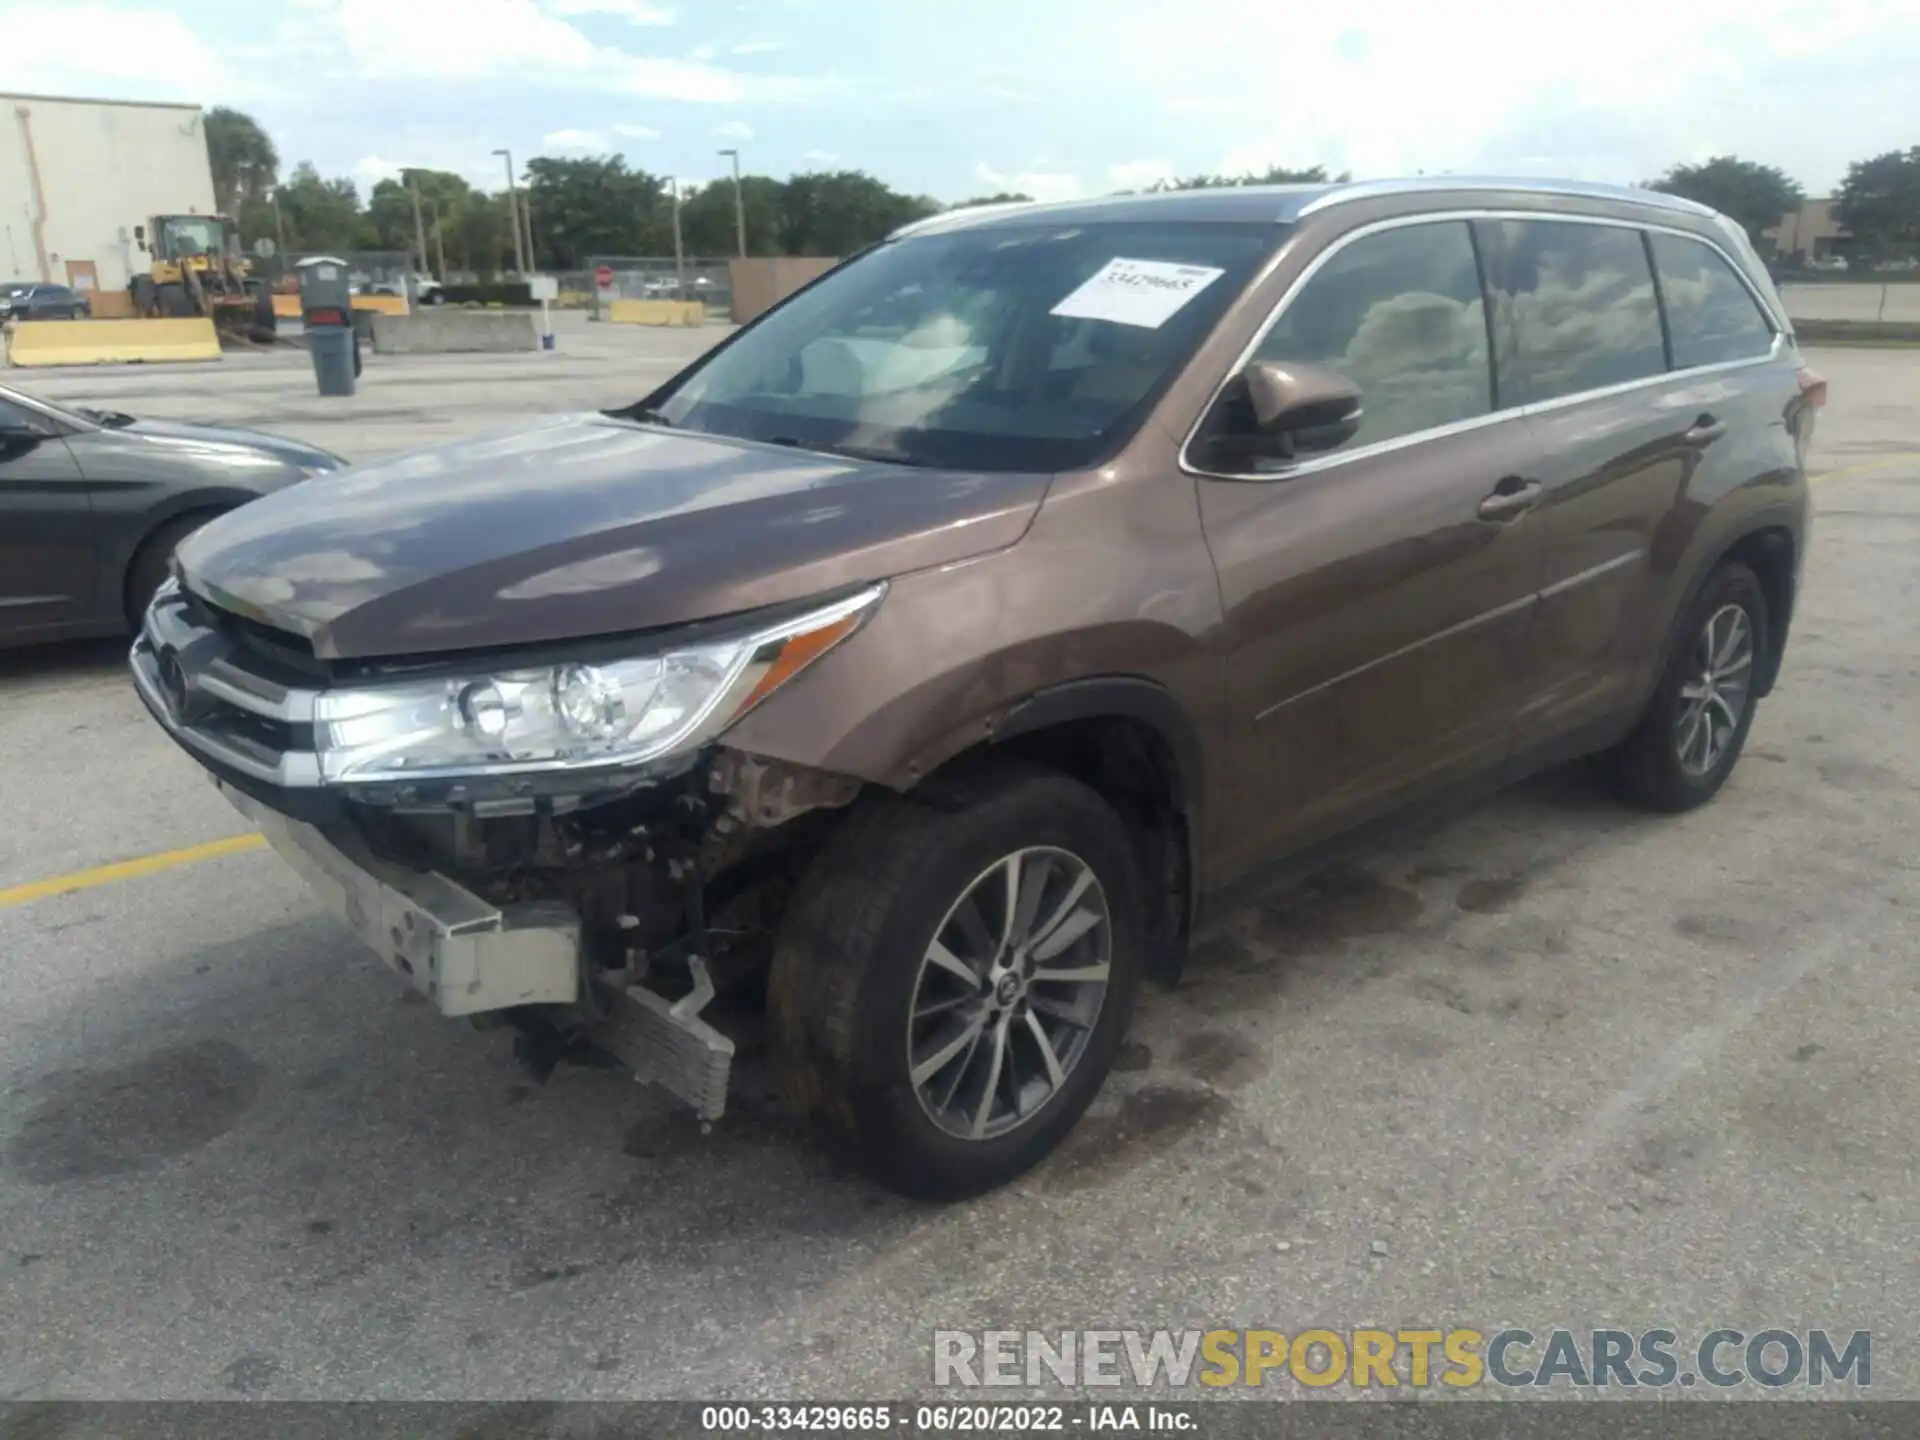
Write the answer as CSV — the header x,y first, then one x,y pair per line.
x,y
326,309
333,350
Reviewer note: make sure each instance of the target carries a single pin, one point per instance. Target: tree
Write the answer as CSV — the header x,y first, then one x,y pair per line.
x,y
1276,175
319,214
836,212
707,226
1005,197
1880,202
1753,195
242,158
582,208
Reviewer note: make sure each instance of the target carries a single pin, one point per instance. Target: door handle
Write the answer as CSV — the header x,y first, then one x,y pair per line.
x,y
1705,431
1512,498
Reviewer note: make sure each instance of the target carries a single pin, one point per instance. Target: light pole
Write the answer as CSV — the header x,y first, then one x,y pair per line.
x,y
739,205
513,213
679,252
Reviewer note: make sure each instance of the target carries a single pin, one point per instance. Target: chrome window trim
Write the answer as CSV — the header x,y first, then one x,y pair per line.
x,y
1781,332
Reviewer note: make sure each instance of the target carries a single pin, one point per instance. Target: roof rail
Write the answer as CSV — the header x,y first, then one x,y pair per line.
x,y
926,222
1426,184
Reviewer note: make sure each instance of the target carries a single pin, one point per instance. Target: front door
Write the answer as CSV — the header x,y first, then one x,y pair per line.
x,y
1376,595
46,530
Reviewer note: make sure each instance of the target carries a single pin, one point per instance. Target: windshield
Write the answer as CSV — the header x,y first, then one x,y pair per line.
x,y
191,235
1031,348
12,288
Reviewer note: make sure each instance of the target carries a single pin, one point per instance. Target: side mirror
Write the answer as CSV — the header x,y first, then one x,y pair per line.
x,y
1304,407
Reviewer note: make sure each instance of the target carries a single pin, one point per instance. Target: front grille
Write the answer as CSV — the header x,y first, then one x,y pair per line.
x,y
279,654
239,693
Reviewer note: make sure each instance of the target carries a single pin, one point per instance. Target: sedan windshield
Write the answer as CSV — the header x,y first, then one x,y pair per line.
x,y
1035,347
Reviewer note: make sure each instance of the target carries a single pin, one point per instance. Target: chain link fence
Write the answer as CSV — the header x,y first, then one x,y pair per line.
x,y
652,277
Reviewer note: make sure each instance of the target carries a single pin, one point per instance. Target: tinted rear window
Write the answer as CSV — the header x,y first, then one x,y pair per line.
x,y
1574,308
1711,314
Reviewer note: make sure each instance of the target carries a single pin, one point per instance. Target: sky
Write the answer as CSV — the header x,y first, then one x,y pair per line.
x,y
1055,98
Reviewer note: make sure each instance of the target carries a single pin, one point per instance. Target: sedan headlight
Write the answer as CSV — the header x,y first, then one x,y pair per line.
x,y
574,715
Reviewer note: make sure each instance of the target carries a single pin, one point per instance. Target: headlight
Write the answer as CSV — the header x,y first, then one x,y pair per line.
x,y
569,716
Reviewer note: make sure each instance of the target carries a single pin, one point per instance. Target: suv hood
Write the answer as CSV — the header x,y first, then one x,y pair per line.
x,y
585,525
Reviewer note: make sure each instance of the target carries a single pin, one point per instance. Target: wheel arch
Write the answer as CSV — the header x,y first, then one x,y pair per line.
x,y
157,523
1130,740
1769,544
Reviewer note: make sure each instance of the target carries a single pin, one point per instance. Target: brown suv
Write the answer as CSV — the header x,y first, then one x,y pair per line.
x,y
894,685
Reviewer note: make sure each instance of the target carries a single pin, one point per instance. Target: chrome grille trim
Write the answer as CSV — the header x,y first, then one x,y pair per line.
x,y
213,675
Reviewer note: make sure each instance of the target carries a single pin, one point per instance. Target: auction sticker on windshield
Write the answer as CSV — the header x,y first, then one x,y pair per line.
x,y
1147,293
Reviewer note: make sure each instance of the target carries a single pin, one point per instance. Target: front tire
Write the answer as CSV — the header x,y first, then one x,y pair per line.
x,y
955,975
1694,729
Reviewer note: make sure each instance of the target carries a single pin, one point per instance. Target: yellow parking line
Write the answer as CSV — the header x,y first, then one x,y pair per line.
x,y
128,869
1885,462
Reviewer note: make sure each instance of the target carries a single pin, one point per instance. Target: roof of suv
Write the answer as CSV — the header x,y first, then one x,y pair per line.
x,y
1282,204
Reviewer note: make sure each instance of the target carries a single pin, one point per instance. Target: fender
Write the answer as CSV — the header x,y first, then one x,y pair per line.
x,y
1132,698
1701,565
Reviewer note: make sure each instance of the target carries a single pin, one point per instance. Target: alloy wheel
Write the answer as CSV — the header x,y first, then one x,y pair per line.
x,y
1713,698
1008,993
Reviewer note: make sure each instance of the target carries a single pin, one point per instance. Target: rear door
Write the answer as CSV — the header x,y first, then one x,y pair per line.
x,y
1634,423
46,529
1580,344
1375,596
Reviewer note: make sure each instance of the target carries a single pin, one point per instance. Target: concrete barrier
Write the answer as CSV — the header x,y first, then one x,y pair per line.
x,y
1843,332
441,331
657,312
108,342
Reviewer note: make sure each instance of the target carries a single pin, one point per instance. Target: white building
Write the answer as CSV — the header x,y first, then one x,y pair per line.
x,y
76,176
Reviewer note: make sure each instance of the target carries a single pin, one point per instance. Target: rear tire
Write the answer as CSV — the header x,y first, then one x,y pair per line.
x,y
1695,727
150,563
857,1003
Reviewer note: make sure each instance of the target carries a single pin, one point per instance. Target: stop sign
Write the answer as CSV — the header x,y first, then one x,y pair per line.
x,y
603,277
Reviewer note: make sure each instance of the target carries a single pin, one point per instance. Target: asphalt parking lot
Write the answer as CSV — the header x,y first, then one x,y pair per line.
x,y
1551,1063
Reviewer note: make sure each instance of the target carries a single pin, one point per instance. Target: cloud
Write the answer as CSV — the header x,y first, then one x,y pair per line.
x,y
518,40
589,140
1138,174
634,12
733,130
1040,184
820,157
104,50
637,132
370,170
1375,85
757,47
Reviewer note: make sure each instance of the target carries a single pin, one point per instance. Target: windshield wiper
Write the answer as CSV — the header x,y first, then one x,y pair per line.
x,y
647,417
826,447
111,419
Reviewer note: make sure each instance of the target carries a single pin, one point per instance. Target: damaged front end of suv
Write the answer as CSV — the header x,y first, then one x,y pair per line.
x,y
551,841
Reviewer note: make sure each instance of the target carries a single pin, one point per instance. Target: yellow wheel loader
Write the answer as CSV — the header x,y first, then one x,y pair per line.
x,y
195,268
